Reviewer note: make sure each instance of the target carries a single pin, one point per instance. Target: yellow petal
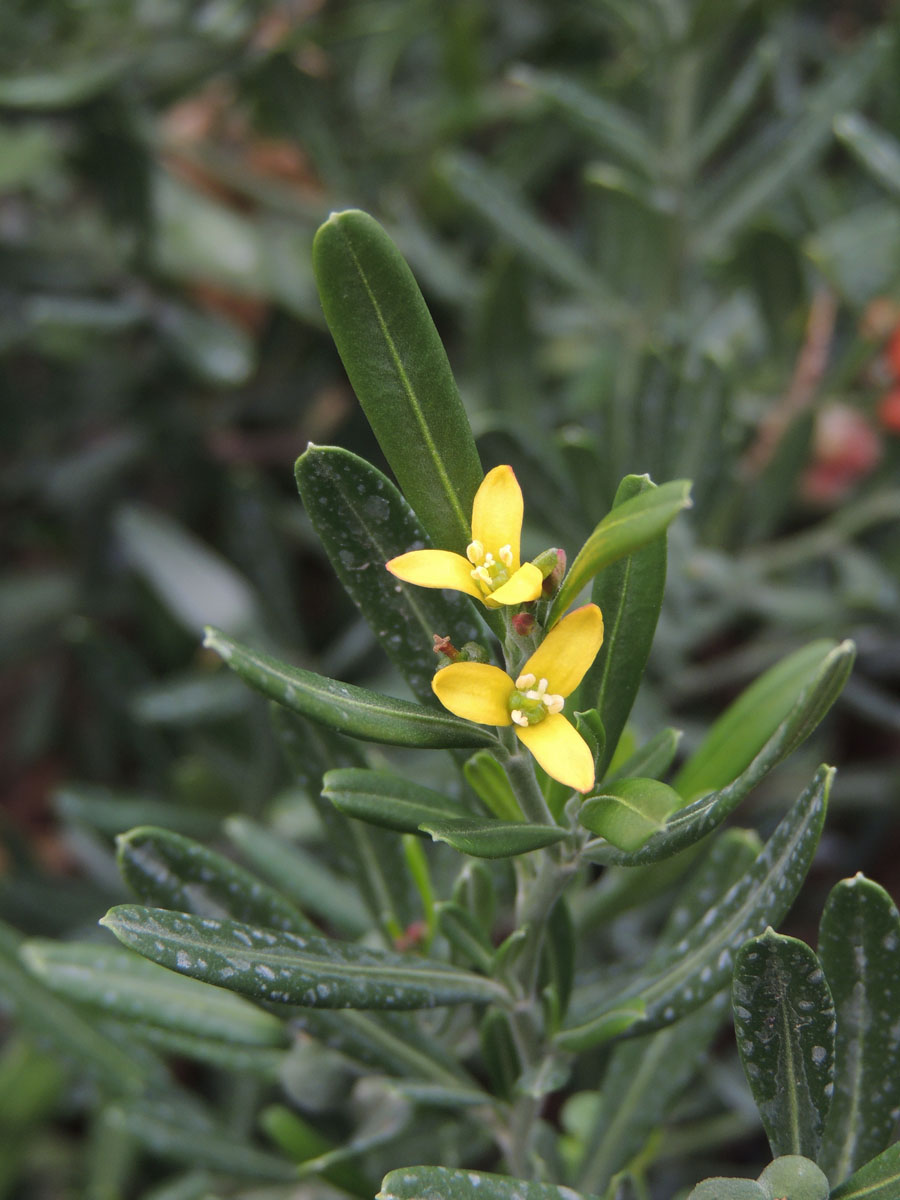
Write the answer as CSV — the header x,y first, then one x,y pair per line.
x,y
475,691
497,513
435,569
561,751
525,585
568,650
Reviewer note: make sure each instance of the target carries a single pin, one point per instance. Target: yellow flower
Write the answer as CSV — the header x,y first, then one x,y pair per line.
x,y
533,702
491,571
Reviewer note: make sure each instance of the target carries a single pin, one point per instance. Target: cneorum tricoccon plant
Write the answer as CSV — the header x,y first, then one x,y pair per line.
x,y
458,949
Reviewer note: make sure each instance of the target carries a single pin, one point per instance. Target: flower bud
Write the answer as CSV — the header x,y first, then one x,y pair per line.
x,y
444,648
552,565
473,652
523,624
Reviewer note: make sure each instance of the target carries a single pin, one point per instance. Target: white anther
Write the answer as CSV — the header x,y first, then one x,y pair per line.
x,y
534,694
525,681
481,574
488,559
475,553
505,555
554,704
518,717
542,686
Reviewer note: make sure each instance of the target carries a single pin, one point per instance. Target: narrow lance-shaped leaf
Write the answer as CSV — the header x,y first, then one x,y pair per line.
x,y
859,948
483,837
399,370
344,706
383,798
624,530
784,1020
362,521
877,1180
699,965
448,1183
282,967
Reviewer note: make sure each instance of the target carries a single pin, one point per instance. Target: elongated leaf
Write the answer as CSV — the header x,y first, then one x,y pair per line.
x,y
362,521
629,812
167,870
126,985
464,933
627,528
383,798
302,1142
281,967
784,1019
820,680
651,760
264,1062
699,965
490,783
874,147
115,812
486,838
399,370
721,1188
732,854
629,593
344,706
447,1183
859,948
877,1180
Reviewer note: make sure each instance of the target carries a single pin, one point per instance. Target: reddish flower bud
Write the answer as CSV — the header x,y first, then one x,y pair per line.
x,y
443,645
523,624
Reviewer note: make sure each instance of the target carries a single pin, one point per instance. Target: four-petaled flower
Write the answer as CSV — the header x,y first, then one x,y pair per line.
x,y
491,571
532,703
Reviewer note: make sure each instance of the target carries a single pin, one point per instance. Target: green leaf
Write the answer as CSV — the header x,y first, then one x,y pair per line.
x,y
486,838
721,1188
464,933
362,521
824,675
652,760
399,370
732,854
127,986
625,529
794,1176
281,967
499,1053
784,1020
629,593
629,812
300,875
487,779
686,975
447,1183
801,687
383,798
302,1142
878,152
859,940
877,1180
166,870
344,706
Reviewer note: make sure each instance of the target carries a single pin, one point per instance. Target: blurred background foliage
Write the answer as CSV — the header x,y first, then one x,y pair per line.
x,y
659,236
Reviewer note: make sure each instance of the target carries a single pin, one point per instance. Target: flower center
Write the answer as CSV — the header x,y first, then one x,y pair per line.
x,y
487,571
530,702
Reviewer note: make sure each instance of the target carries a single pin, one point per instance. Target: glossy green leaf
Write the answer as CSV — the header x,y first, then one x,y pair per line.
x,y
624,530
784,1020
399,370
820,682
448,1183
651,760
344,706
486,838
629,593
383,798
300,875
878,152
688,973
629,812
128,986
282,967
362,521
166,870
859,948
802,686
732,853
490,783
795,1176
877,1180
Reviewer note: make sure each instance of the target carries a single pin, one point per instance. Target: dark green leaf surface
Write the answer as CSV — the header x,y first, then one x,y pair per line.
x,y
627,528
651,760
699,965
345,707
399,370
464,933
383,798
485,838
362,521
446,1183
784,1020
281,967
874,147
629,812
167,870
490,783
877,1180
128,986
629,593
859,948
825,673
